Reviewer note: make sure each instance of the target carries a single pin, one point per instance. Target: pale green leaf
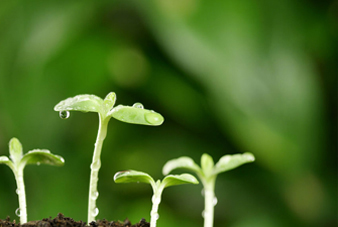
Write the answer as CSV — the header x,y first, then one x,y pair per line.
x,y
133,176
229,162
38,156
207,164
83,103
185,178
109,101
136,115
15,150
180,163
5,160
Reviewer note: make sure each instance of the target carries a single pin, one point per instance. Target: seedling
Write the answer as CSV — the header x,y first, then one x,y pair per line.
x,y
207,173
158,186
18,162
135,114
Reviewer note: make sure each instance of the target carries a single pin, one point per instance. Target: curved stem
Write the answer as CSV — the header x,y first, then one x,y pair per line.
x,y
209,196
95,167
22,195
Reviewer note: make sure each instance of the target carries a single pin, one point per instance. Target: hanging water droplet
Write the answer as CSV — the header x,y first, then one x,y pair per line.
x,y
156,216
64,114
203,213
96,165
215,201
138,105
17,191
96,212
18,212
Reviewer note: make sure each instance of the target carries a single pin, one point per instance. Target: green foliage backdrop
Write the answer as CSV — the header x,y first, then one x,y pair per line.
x,y
228,76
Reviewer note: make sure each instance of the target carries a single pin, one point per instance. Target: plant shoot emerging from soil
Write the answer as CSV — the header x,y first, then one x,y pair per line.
x,y
158,186
135,114
18,162
207,173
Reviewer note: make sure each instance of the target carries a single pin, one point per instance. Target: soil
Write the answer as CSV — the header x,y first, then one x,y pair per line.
x,y
62,221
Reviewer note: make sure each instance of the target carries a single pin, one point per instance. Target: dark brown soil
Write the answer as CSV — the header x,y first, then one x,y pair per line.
x,y
61,221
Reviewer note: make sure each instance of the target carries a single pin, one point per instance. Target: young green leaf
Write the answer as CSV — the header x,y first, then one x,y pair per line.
x,y
84,103
15,150
207,164
183,163
133,176
185,178
38,156
136,115
229,162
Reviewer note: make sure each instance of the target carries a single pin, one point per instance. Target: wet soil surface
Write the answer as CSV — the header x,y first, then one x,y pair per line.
x,y
62,221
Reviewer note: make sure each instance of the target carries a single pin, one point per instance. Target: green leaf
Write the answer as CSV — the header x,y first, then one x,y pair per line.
x,y
185,178
15,150
84,103
38,156
109,101
182,162
229,162
207,164
136,115
5,160
133,176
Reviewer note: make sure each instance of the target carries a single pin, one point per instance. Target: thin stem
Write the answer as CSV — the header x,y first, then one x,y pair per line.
x,y
209,198
154,216
22,195
95,167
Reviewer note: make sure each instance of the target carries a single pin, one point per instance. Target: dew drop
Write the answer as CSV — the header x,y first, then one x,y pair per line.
x,y
64,114
17,191
154,118
215,201
156,216
95,195
18,212
96,212
203,213
96,165
138,105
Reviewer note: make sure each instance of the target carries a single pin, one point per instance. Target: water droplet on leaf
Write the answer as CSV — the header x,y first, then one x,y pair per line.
x,y
64,114
18,212
215,201
17,191
138,105
154,118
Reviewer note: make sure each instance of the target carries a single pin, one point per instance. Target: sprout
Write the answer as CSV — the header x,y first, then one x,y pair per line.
x,y
158,186
135,114
17,163
207,173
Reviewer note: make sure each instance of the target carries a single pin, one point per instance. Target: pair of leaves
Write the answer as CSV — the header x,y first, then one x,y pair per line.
x,y
18,161
135,114
170,180
208,169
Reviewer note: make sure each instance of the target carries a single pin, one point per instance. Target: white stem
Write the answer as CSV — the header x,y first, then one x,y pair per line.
x,y
22,195
95,167
156,199
209,195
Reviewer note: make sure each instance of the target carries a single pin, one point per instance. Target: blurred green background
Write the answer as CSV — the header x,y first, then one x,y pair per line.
x,y
228,76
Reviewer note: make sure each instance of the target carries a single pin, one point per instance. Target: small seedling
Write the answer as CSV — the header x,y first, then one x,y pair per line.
x,y
158,186
18,162
207,173
135,114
